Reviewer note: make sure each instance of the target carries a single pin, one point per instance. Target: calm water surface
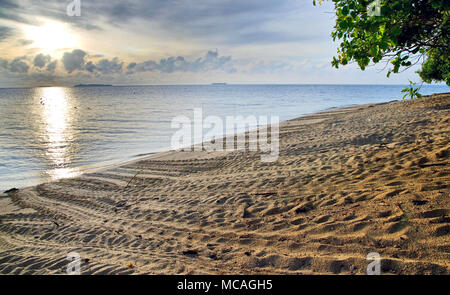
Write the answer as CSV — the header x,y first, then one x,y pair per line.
x,y
52,133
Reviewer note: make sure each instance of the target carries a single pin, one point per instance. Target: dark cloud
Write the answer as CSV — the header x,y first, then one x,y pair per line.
x,y
185,12
204,19
212,61
8,4
24,11
12,10
106,66
90,67
131,66
5,32
74,60
52,66
41,60
18,65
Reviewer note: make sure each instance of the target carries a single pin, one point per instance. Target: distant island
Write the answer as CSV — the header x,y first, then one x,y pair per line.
x,y
92,85
216,84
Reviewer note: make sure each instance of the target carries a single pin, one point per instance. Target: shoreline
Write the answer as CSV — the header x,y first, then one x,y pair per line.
x,y
105,165
349,181
168,153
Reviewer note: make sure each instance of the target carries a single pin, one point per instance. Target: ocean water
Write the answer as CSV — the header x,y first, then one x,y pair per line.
x,y
51,133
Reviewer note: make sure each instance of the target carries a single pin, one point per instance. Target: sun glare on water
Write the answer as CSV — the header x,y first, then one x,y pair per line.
x,y
51,36
55,106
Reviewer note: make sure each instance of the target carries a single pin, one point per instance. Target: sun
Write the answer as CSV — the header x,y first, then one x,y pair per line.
x,y
51,36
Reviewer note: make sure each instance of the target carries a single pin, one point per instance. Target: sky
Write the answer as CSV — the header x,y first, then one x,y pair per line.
x,y
160,42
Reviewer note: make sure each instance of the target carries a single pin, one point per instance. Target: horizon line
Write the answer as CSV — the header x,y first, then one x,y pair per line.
x,y
212,84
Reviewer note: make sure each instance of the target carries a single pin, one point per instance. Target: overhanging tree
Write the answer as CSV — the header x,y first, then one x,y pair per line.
x,y
405,33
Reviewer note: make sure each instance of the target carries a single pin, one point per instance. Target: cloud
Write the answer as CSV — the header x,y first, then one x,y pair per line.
x,y
73,60
78,60
131,66
106,66
41,60
78,66
224,21
51,67
18,65
24,11
12,11
5,32
211,61
24,42
90,67
3,64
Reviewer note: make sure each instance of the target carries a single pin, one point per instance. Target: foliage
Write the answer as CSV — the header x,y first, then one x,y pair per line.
x,y
405,33
436,67
411,91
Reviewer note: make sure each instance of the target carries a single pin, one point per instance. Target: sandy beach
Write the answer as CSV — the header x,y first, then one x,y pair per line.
x,y
348,182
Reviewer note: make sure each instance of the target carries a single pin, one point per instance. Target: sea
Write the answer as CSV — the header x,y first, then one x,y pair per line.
x,y
49,133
